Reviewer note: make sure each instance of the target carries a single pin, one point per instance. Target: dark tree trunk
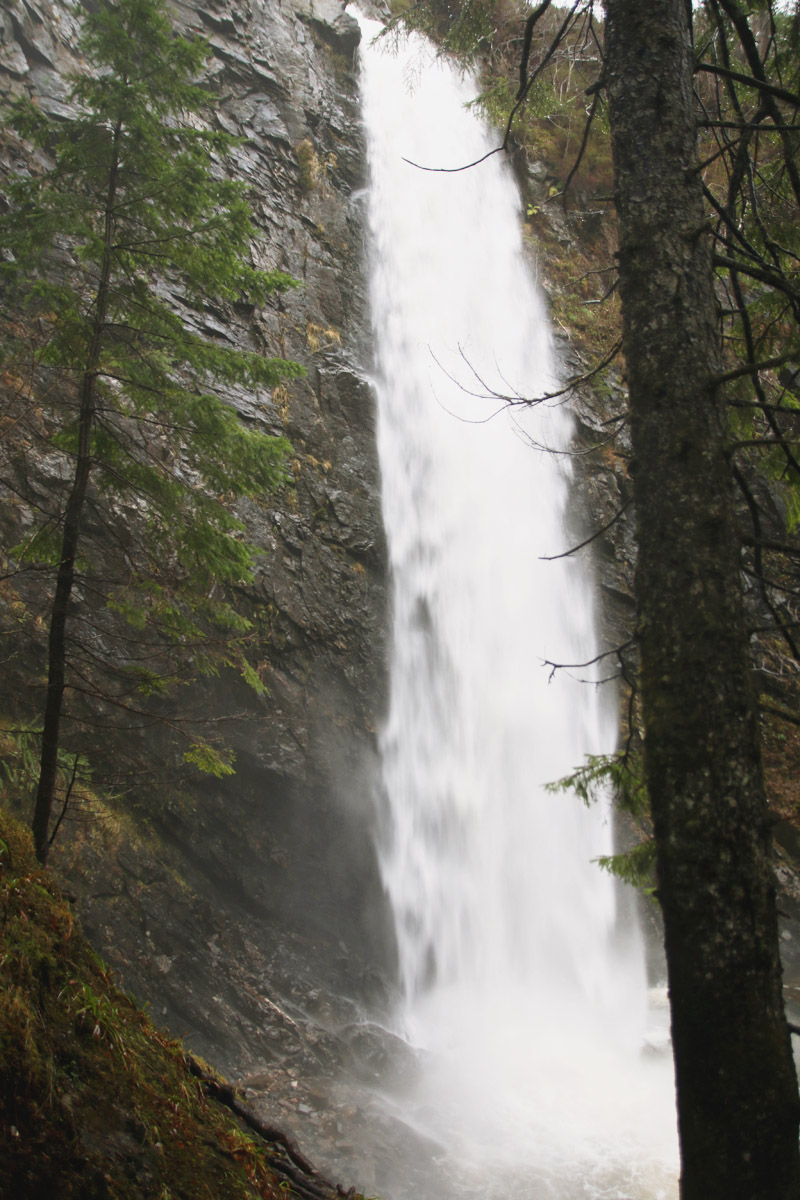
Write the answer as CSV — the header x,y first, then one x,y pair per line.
x,y
56,645
70,537
737,1091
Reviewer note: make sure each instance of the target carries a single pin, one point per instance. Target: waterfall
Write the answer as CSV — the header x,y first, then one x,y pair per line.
x,y
523,991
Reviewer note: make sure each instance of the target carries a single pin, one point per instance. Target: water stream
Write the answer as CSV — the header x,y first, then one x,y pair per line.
x,y
524,990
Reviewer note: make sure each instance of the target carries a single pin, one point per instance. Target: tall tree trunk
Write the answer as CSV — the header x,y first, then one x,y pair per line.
x,y
56,646
737,1092
70,537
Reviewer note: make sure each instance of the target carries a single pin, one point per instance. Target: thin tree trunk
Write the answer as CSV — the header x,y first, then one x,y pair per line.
x,y
71,531
736,1086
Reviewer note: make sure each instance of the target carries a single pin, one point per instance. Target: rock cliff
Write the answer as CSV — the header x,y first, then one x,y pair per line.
x,y
226,903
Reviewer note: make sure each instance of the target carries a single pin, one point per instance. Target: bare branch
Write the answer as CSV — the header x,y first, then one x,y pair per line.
x,y
750,81
63,812
598,533
768,544
587,127
526,45
752,368
771,278
617,652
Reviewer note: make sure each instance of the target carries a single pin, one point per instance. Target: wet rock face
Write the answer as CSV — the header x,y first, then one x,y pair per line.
x,y
220,900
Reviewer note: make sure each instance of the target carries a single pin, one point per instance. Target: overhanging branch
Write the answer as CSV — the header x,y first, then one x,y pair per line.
x,y
748,81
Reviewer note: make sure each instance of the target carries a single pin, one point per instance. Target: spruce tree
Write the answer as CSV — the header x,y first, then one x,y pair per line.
x,y
127,205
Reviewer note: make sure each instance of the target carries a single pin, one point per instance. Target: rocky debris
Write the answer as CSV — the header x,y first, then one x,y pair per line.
x,y
358,1131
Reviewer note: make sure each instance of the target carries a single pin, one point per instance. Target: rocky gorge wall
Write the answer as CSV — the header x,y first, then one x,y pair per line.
x,y
222,902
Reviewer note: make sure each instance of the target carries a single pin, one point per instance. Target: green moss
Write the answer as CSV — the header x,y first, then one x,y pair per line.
x,y
311,169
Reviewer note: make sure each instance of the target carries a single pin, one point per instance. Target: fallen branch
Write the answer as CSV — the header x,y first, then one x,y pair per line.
x,y
300,1172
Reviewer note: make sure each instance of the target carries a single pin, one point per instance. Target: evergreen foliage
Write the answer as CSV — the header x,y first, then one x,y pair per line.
x,y
621,777
125,208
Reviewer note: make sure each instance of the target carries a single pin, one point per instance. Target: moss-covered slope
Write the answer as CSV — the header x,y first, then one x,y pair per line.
x,y
96,1102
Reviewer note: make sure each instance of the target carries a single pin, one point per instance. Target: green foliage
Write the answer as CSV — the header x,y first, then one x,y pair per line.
x,y
209,760
621,777
19,761
617,774
19,767
635,866
112,251
461,27
43,546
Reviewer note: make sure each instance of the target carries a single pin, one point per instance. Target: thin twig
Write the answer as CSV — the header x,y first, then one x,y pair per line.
x,y
63,812
598,533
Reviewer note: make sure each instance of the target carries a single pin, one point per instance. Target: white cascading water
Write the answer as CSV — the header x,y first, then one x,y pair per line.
x,y
526,998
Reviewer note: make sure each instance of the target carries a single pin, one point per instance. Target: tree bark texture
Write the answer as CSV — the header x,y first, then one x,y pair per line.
x,y
737,1092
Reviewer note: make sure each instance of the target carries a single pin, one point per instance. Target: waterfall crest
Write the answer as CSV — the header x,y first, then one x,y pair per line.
x,y
527,1000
